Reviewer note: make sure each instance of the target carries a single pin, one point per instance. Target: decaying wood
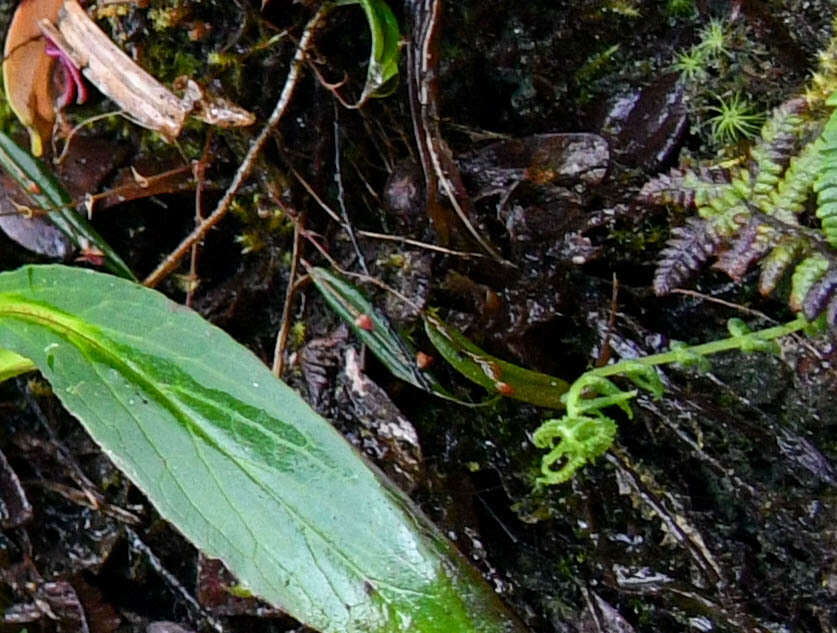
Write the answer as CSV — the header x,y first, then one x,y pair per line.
x,y
144,99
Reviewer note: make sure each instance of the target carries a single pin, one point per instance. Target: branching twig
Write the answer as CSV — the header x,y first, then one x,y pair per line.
x,y
249,162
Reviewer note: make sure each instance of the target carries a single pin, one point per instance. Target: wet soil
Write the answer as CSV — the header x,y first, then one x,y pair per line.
x,y
715,510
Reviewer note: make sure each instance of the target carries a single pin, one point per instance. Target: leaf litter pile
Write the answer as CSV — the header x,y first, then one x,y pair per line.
x,y
426,217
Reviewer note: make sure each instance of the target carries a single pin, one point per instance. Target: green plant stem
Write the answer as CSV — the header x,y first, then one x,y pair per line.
x,y
706,349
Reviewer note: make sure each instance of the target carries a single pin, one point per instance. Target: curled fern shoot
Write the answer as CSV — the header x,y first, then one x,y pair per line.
x,y
585,432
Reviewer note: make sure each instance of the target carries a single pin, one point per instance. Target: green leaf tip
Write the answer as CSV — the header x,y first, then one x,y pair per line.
x,y
386,48
46,192
12,365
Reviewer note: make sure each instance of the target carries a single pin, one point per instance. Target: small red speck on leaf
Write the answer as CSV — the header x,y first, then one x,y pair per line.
x,y
92,255
504,388
423,361
364,322
32,187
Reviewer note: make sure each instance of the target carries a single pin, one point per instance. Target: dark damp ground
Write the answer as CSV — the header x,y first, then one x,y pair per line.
x,y
716,509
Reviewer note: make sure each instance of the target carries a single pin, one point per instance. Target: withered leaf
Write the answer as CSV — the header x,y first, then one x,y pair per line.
x,y
27,70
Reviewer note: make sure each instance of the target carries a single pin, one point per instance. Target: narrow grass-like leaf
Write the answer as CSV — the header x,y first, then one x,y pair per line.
x,y
498,376
47,193
238,462
373,329
386,48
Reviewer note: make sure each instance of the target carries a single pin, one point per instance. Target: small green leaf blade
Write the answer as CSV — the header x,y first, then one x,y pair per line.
x,y
386,48
47,193
237,461
12,365
498,376
382,340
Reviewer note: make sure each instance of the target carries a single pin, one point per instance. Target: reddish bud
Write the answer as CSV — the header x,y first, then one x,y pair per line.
x,y
364,322
92,255
504,388
423,361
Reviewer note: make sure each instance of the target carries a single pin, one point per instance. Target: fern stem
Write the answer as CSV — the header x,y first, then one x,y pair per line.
x,y
740,341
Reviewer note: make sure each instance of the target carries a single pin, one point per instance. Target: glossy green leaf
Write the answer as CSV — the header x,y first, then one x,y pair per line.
x,y
386,48
379,336
12,365
498,376
237,461
46,192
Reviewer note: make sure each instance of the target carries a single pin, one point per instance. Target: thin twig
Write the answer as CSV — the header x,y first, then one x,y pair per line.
x,y
338,179
728,304
75,130
199,173
90,199
306,185
249,162
419,244
606,350
290,293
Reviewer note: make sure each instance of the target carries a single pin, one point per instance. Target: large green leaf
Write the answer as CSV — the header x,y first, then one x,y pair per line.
x,y
47,193
237,461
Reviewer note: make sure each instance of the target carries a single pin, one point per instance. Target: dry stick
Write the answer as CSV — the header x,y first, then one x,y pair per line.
x,y
605,350
91,199
249,162
419,244
290,293
306,185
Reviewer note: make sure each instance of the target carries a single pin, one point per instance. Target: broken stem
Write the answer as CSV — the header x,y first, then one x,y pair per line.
x,y
249,162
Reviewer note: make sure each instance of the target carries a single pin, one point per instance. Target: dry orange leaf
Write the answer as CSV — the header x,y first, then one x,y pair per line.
x,y
27,70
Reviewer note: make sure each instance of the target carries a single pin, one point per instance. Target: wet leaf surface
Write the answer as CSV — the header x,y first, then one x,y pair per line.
x,y
268,455
731,476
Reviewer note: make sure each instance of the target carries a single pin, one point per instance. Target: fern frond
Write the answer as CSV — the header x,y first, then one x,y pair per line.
x,y
793,191
820,295
826,182
684,188
808,272
779,261
750,245
780,141
690,246
726,216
